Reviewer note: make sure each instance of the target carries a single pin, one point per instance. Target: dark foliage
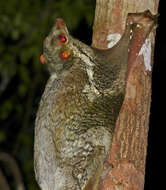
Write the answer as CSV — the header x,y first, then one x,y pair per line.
x,y
23,26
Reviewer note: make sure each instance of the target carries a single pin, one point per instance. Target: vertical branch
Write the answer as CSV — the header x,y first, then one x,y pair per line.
x,y
129,147
3,182
6,158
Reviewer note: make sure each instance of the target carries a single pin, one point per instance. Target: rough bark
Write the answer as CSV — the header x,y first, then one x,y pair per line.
x,y
129,147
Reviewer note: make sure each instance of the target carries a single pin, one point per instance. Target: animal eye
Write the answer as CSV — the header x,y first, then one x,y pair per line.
x,y
65,55
63,39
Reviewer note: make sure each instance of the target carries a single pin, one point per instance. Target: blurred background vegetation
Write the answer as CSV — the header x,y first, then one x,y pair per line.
x,y
23,26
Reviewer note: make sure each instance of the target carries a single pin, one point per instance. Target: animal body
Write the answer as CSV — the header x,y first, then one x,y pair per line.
x,y
78,110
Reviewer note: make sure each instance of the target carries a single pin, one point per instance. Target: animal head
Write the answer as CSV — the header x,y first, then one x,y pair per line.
x,y
57,51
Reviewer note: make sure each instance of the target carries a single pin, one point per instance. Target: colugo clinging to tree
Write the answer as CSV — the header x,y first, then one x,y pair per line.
x,y
78,110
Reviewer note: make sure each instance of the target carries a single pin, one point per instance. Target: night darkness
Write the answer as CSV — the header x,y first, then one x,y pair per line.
x,y
156,129
20,145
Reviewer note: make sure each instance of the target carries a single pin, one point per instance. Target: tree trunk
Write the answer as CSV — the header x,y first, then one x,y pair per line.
x,y
129,147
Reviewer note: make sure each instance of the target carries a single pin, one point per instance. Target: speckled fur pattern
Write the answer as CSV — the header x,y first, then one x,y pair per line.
x,y
78,110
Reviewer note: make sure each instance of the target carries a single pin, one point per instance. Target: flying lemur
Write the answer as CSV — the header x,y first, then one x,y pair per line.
x,y
78,110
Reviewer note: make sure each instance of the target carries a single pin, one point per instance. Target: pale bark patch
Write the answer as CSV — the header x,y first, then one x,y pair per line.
x,y
113,39
146,51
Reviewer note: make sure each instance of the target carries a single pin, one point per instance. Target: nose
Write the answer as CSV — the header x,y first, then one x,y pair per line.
x,y
60,23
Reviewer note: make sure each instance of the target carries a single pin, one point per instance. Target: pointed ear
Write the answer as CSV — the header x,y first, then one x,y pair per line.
x,y
61,25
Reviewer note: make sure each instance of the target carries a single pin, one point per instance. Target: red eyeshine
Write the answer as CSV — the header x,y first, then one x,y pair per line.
x,y
63,39
65,55
42,60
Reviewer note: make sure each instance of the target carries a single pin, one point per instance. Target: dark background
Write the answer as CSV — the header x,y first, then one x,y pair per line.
x,y
23,26
156,141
